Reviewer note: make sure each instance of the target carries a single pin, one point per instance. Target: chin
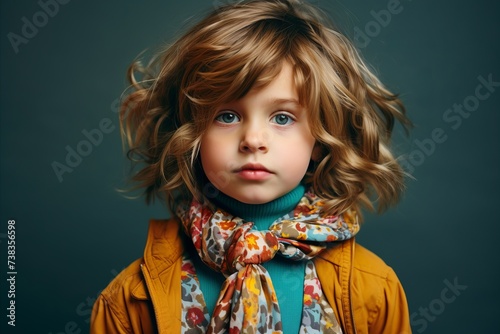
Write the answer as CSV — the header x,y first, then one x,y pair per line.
x,y
254,199
256,202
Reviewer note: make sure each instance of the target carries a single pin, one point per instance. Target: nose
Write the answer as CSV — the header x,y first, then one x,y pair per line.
x,y
255,138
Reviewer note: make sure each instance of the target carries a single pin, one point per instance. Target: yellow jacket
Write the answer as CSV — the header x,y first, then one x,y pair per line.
x,y
364,292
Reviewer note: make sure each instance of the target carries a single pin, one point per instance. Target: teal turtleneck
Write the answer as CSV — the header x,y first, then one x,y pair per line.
x,y
287,275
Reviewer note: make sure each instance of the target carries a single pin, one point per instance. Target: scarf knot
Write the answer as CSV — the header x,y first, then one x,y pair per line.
x,y
247,246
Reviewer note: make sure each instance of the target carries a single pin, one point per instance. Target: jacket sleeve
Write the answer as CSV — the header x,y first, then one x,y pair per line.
x,y
104,320
393,315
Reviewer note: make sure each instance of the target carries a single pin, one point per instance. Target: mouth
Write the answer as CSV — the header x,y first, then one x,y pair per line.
x,y
252,171
253,167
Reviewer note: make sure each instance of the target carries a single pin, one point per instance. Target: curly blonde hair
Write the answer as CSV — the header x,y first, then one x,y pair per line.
x,y
241,46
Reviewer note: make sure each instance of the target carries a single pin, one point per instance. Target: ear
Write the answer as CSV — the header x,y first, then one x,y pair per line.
x,y
317,152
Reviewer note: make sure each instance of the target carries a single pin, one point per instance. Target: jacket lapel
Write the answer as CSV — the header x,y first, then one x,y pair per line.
x,y
336,281
162,272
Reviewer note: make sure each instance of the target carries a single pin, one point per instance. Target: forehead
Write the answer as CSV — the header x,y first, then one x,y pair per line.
x,y
281,89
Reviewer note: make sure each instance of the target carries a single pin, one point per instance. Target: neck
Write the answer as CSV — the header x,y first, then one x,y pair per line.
x,y
265,214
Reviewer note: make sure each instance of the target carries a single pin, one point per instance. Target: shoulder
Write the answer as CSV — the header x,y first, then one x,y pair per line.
x,y
372,280
368,263
366,272
162,248
378,295
125,304
121,302
127,283
351,255
366,287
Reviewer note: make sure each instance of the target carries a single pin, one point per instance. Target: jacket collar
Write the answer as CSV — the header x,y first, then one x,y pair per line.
x,y
161,266
342,256
164,245
163,249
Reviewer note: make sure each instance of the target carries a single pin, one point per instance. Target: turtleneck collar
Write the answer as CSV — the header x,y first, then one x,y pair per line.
x,y
265,214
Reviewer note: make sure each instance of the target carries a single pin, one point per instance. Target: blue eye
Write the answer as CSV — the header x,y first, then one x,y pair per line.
x,y
282,119
227,117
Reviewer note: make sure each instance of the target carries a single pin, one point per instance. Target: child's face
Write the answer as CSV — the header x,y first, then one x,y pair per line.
x,y
258,148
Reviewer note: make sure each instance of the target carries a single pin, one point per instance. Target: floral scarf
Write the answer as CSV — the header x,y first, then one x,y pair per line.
x,y
247,301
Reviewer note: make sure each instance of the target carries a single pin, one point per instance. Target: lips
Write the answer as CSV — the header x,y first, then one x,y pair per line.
x,y
254,167
253,171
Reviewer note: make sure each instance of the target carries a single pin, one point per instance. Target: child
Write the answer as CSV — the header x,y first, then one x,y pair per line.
x,y
265,132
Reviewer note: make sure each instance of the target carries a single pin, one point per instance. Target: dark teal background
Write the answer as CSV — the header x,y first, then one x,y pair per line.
x,y
74,236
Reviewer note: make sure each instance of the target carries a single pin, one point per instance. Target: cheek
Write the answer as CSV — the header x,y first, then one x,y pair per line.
x,y
295,156
212,154
303,159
